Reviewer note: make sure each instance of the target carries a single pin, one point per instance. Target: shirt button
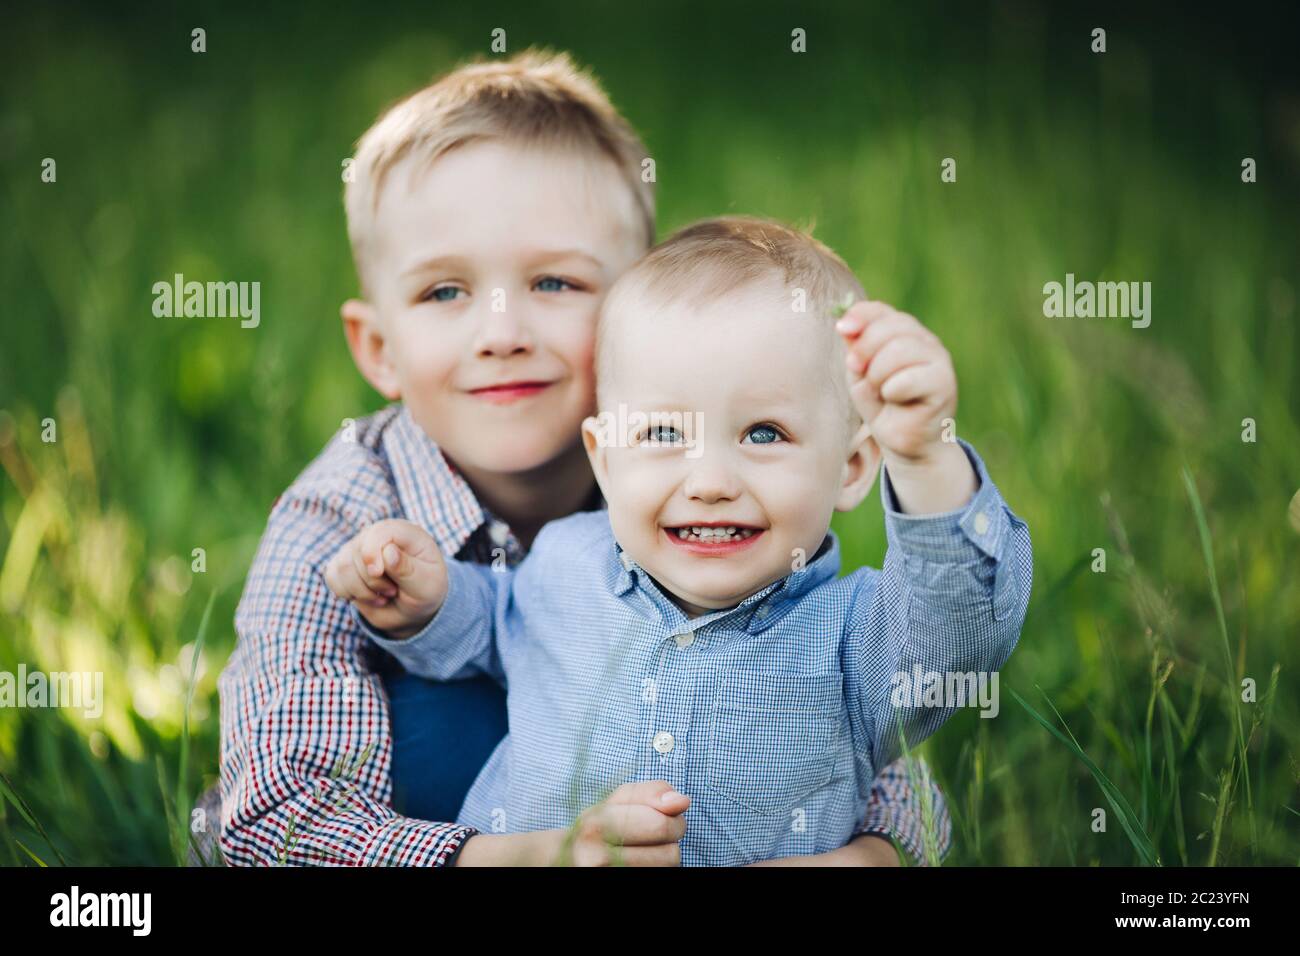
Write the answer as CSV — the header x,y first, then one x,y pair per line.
x,y
498,532
627,562
763,611
663,741
684,640
981,523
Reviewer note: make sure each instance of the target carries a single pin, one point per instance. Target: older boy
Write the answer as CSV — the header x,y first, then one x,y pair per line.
x,y
489,215
680,636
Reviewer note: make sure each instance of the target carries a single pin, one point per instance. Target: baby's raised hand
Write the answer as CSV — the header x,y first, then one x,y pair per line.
x,y
900,377
395,575
903,384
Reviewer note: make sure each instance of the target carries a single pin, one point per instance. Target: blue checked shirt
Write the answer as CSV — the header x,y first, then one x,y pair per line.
x,y
773,716
306,743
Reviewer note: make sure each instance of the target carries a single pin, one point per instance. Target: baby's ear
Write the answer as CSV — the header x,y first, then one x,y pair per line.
x,y
596,440
367,342
860,470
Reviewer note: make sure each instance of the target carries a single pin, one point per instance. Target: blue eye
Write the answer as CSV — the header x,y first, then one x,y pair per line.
x,y
763,435
553,284
442,293
663,435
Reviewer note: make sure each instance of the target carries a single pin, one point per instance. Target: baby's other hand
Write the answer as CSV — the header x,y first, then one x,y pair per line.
x,y
639,824
395,575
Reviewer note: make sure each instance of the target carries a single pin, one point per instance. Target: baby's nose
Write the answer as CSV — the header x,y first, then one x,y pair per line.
x,y
711,480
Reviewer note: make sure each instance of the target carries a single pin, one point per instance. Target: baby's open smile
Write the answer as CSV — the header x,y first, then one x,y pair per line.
x,y
714,538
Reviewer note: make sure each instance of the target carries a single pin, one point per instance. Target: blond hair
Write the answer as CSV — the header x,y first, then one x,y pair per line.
x,y
705,261
537,98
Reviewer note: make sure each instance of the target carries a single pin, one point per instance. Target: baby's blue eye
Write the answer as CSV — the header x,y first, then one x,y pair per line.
x,y
443,293
763,434
552,284
662,435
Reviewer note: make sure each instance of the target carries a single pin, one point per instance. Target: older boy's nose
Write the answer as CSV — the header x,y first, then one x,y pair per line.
x,y
502,333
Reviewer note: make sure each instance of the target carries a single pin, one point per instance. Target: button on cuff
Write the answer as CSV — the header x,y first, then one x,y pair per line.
x,y
948,537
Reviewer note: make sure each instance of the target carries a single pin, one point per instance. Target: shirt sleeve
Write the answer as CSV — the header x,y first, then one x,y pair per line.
x,y
460,639
949,602
914,816
305,734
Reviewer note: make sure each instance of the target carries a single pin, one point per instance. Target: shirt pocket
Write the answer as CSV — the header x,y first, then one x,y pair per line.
x,y
774,738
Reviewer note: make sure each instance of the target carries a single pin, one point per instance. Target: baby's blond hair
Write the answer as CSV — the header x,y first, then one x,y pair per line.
x,y
705,261
537,99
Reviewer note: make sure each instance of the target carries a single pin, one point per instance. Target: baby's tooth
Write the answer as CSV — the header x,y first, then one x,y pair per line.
x,y
731,530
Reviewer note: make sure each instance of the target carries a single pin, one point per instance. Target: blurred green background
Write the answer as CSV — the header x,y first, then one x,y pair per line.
x,y
176,434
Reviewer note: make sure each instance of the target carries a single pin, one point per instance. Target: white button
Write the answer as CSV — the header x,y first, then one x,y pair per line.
x,y
684,640
663,741
498,532
981,523
627,562
763,610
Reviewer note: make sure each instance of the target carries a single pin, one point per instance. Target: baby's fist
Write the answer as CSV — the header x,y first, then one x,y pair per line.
x,y
395,575
901,380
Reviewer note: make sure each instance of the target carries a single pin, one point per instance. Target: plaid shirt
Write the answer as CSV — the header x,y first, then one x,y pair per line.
x,y
306,738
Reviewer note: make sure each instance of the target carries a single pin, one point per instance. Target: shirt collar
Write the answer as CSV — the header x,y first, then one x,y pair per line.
x,y
435,495
433,492
755,613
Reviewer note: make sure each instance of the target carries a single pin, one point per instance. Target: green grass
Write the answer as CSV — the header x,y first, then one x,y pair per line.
x,y
178,434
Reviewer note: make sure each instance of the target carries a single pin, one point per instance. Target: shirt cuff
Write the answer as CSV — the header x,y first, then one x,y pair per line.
x,y
980,528
895,811
456,616
404,841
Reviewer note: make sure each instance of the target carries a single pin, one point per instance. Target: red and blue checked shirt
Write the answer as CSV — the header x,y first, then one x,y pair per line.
x,y
305,735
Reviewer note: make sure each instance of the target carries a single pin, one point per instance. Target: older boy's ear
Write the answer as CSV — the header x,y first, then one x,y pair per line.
x,y
366,340
860,470
595,441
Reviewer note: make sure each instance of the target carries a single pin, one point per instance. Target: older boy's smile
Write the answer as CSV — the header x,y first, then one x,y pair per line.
x,y
508,392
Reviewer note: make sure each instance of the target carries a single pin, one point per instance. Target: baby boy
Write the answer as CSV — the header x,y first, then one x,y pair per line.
x,y
698,631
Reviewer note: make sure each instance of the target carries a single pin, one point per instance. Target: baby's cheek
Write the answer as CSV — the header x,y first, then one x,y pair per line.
x,y
804,509
631,482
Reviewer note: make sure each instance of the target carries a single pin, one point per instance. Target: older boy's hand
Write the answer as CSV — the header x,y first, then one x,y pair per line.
x,y
903,385
394,573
